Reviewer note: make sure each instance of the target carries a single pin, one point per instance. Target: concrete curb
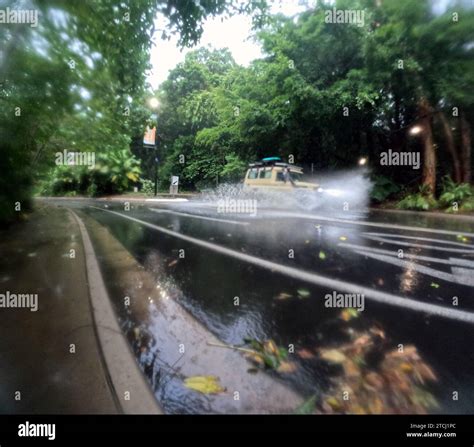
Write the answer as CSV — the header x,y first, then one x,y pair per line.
x,y
130,388
170,326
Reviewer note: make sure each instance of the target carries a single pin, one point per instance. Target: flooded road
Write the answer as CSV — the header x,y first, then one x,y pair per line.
x,y
268,277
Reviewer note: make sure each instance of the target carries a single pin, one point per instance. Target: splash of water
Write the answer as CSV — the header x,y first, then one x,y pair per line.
x,y
339,192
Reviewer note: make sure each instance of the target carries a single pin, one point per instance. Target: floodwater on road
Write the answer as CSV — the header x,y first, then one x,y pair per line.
x,y
251,291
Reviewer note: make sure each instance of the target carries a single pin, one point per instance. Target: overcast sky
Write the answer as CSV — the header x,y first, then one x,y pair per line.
x,y
232,33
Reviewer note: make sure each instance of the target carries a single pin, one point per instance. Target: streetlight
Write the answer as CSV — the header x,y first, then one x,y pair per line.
x,y
153,102
415,130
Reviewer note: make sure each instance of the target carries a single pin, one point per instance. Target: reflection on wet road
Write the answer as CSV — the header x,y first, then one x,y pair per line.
x,y
416,275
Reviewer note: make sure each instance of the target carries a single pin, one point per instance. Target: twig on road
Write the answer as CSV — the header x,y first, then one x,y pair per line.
x,y
237,348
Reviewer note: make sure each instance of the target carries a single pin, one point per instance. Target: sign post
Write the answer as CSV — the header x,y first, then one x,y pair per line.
x,y
150,141
157,161
174,184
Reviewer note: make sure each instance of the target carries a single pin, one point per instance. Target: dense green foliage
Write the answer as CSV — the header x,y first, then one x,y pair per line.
x,y
419,201
383,188
323,95
453,197
326,94
77,82
454,193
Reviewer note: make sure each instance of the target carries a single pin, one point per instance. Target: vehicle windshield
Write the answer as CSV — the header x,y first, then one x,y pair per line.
x,y
296,176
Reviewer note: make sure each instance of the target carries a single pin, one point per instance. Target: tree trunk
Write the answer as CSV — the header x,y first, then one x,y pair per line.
x,y
465,149
429,154
451,147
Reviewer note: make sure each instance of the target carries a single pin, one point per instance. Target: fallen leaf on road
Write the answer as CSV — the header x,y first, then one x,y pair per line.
x,y
322,255
307,407
204,384
172,263
343,238
383,379
283,296
270,347
351,369
362,340
265,354
374,380
136,332
256,359
375,406
332,355
378,332
305,354
287,367
334,403
426,373
435,285
303,293
349,314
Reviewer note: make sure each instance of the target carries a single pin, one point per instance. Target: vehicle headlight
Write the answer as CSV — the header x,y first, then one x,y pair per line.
x,y
334,192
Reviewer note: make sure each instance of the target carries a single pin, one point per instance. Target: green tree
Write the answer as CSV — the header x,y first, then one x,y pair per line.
x,y
77,82
327,93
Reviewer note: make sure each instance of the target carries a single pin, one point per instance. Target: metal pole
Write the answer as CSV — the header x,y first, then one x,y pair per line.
x,y
156,175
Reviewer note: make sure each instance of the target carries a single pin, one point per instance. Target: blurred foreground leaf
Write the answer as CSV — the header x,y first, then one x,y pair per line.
x,y
204,384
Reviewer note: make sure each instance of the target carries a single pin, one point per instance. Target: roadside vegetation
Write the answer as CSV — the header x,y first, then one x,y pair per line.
x,y
77,82
327,95
323,95
453,197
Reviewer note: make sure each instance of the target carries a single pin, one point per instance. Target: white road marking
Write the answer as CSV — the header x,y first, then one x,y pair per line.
x,y
412,266
463,262
409,244
426,239
463,275
366,223
319,280
450,261
197,216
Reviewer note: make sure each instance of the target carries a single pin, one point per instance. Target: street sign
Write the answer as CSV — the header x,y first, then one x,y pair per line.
x,y
149,137
174,184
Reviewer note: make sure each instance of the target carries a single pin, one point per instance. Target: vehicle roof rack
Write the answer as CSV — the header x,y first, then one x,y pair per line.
x,y
273,161
270,159
267,161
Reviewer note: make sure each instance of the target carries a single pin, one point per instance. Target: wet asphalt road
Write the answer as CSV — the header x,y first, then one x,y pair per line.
x,y
211,258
